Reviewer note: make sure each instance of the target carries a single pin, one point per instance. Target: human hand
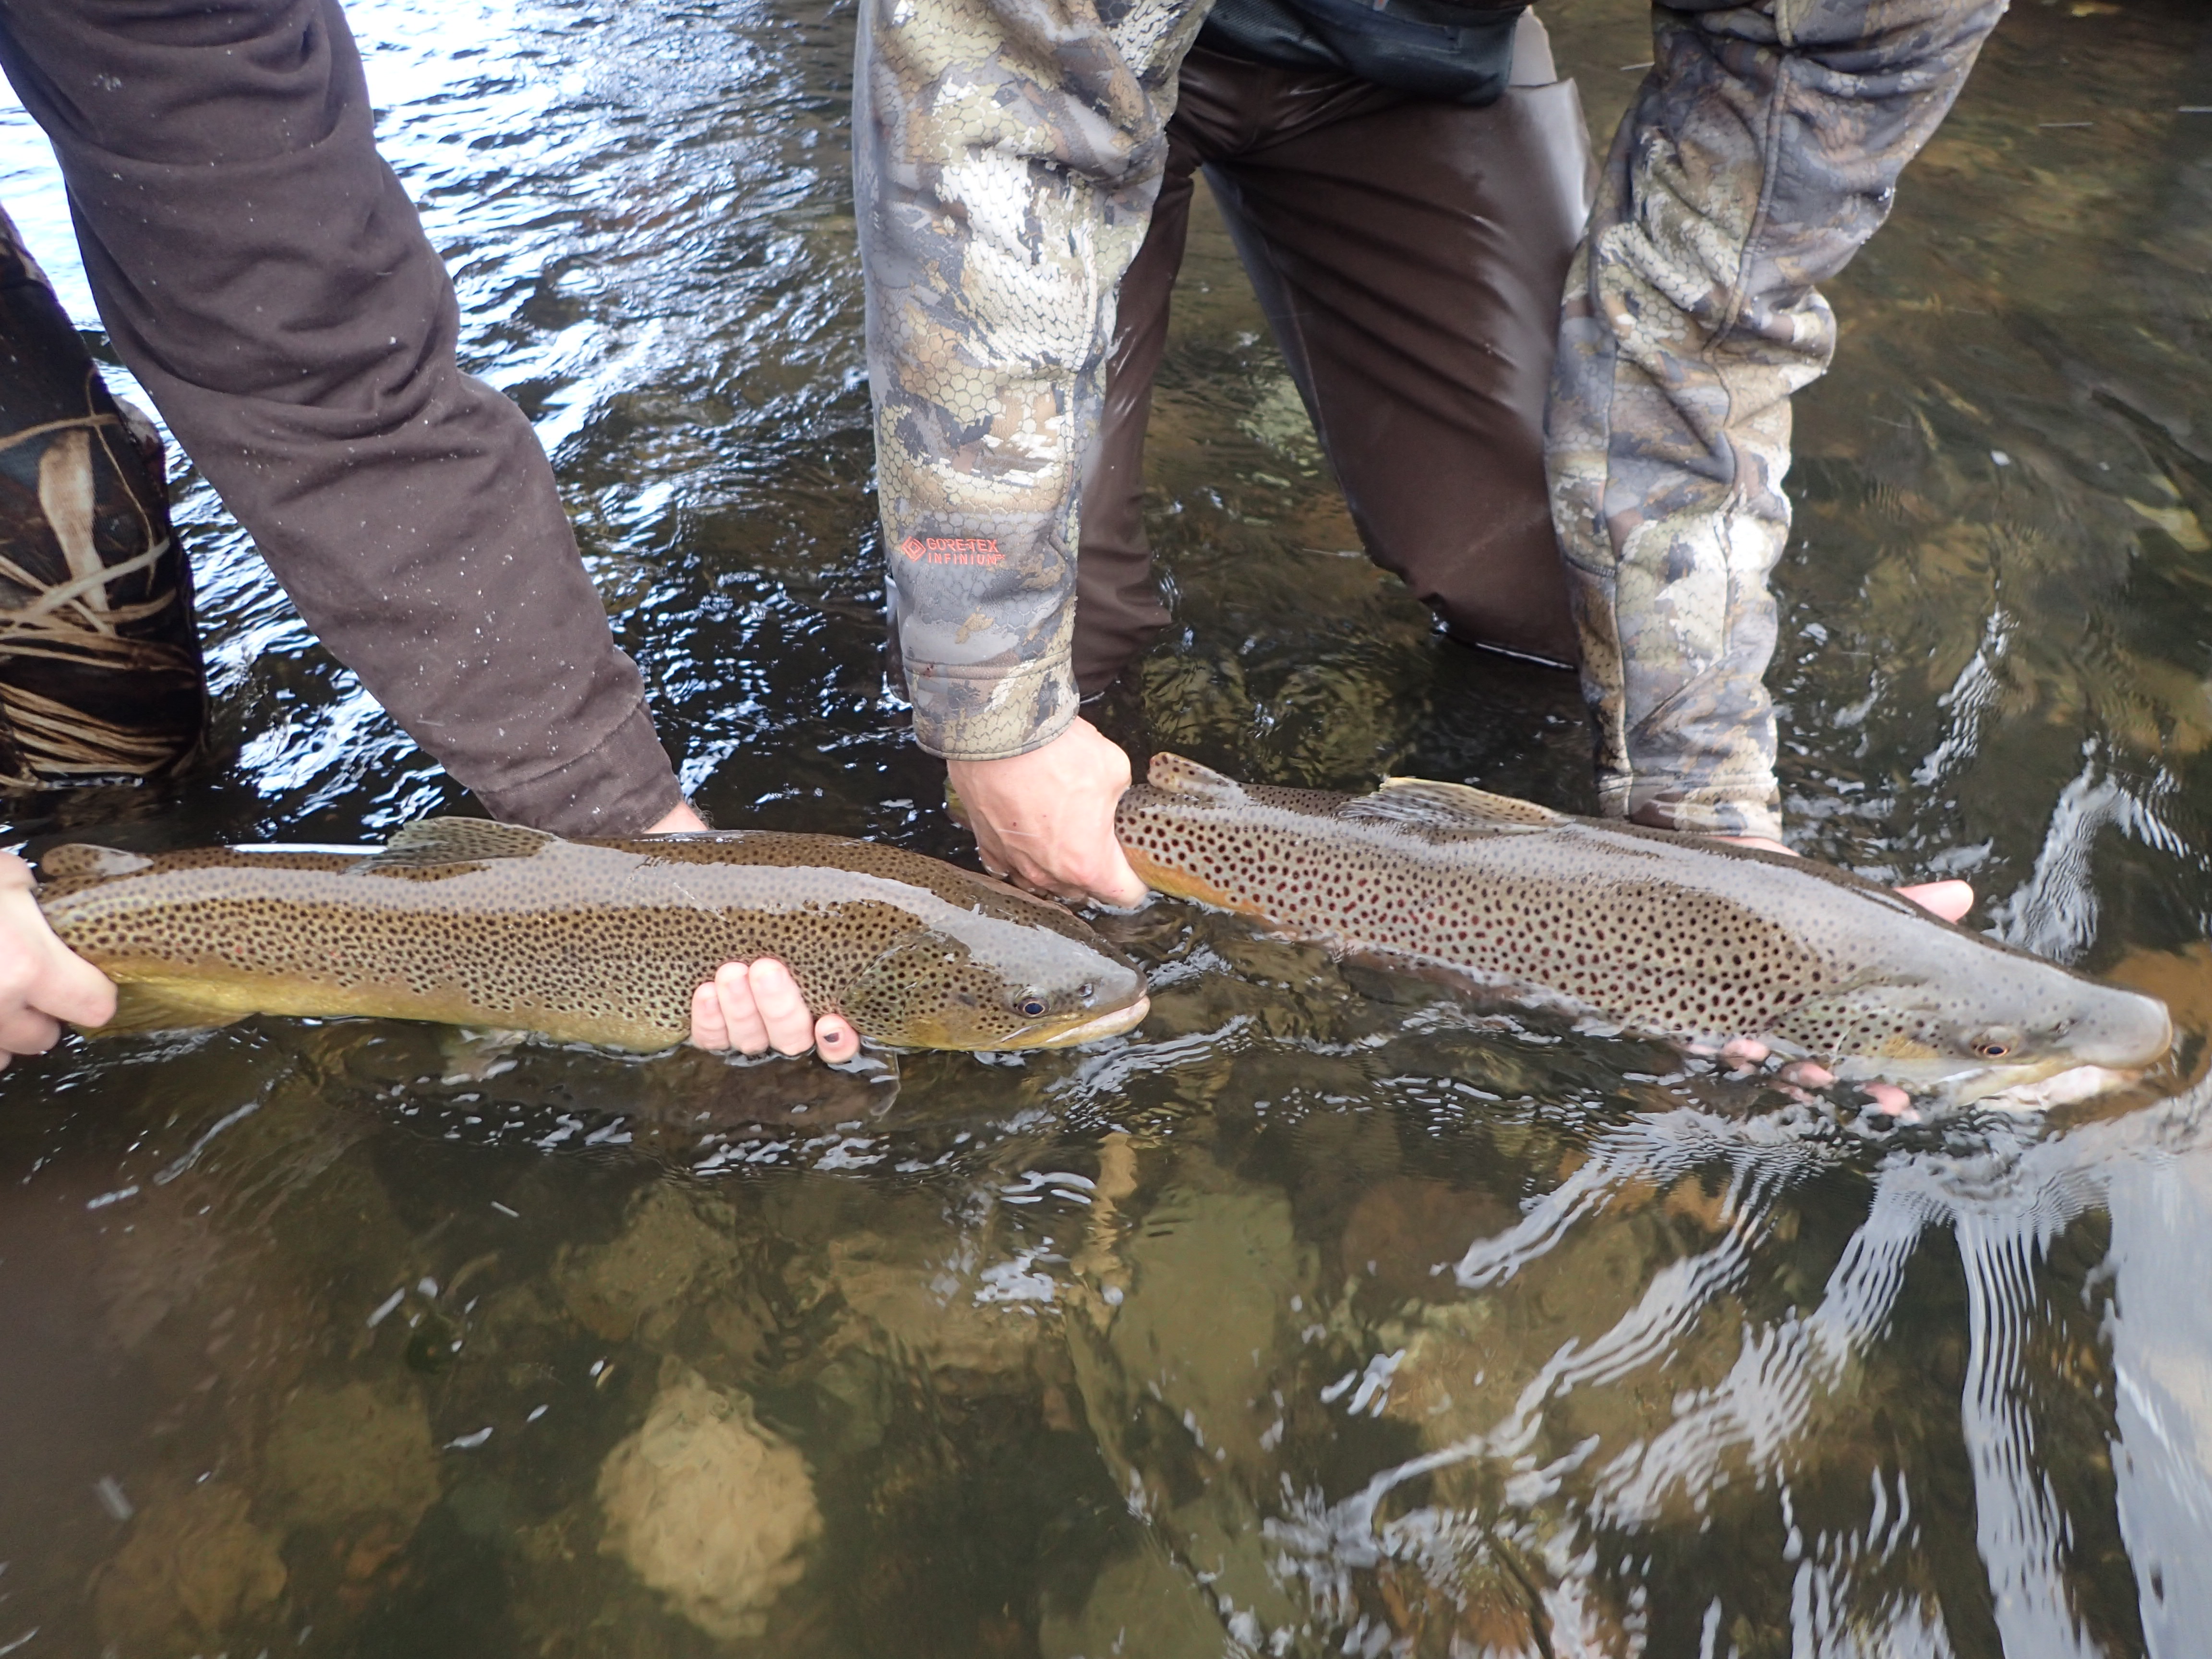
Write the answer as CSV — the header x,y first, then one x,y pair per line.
x,y
1949,900
42,981
1046,819
754,1007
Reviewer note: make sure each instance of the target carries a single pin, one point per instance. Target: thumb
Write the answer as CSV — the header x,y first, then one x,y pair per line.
x,y
1950,900
1121,886
75,991
62,983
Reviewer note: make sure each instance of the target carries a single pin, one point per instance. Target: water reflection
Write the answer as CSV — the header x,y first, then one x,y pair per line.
x,y
1322,1314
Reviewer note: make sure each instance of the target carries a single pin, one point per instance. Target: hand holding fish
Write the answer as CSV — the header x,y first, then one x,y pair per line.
x,y
754,1007
1948,900
42,981
1045,819
1728,951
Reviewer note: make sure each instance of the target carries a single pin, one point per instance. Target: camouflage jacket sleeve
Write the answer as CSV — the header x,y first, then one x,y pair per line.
x,y
1007,155
1762,150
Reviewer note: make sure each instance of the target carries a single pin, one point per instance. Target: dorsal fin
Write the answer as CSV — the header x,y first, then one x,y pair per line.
x,y
429,843
83,861
1451,807
1172,774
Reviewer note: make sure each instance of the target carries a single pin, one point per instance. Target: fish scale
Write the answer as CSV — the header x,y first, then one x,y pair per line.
x,y
1667,934
592,941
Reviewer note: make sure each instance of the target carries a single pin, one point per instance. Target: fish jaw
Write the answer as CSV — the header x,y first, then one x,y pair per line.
x,y
1962,1037
1063,1031
1948,1082
2060,1088
1110,1023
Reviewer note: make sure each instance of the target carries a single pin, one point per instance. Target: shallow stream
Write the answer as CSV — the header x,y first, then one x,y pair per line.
x,y
1322,1314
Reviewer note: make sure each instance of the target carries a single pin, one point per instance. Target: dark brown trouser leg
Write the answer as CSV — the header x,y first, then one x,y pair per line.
x,y
100,677
1411,258
265,277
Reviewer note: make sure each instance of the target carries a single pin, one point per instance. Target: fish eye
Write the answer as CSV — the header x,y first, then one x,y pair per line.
x,y
1995,1045
1087,992
1033,1007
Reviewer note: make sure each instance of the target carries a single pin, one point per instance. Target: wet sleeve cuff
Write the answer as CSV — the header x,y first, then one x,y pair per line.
x,y
1749,806
991,711
622,785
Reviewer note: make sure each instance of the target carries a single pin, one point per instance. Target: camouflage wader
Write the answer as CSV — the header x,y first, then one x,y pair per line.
x,y
100,677
1761,152
1007,158
1006,153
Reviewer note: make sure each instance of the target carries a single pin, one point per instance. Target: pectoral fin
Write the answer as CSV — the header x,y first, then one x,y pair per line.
x,y
478,1056
429,844
164,1006
1451,807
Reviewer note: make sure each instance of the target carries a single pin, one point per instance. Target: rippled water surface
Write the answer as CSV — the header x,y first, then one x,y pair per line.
x,y
1322,1314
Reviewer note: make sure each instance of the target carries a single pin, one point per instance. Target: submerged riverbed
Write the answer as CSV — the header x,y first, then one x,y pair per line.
x,y
1322,1314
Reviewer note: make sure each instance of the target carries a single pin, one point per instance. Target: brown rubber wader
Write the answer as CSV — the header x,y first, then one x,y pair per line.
x,y
100,677
1410,257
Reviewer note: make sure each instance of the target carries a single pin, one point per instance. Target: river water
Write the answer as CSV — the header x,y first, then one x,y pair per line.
x,y
1321,1315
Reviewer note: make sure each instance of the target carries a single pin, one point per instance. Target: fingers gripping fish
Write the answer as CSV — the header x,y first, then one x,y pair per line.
x,y
1693,940
602,942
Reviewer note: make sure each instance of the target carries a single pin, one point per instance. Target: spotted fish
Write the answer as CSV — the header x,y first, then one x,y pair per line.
x,y
1694,941
602,942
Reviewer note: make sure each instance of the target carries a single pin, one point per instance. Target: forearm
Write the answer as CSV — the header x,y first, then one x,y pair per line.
x,y
1006,157
265,276
1761,152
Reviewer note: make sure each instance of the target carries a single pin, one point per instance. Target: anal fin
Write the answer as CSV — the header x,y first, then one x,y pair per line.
x,y
142,1005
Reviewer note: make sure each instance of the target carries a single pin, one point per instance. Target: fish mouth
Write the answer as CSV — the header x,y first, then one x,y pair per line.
x,y
2065,1088
2130,1032
1112,1023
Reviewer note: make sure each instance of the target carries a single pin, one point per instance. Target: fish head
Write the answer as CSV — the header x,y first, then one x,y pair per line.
x,y
2015,1023
993,984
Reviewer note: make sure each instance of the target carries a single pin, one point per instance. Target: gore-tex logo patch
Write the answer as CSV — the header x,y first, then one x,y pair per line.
x,y
951,550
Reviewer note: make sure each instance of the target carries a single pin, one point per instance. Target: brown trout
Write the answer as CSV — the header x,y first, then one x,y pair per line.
x,y
475,923
1693,940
